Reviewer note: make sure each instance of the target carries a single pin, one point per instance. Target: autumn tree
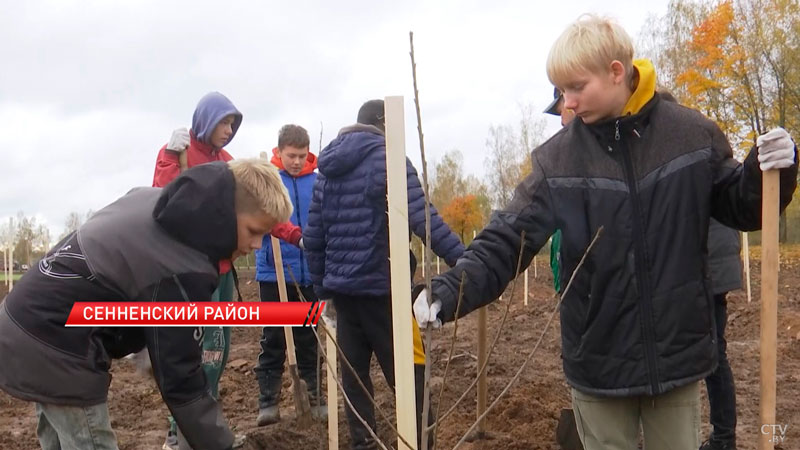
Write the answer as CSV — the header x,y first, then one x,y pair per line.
x,y
463,215
737,61
449,182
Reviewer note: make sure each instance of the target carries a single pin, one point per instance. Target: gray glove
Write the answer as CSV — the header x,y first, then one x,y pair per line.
x,y
179,141
329,314
141,360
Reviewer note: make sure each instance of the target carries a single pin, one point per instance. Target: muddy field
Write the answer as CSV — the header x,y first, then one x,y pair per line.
x,y
524,419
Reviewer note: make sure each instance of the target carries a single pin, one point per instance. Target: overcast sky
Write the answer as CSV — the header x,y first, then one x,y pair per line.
x,y
90,90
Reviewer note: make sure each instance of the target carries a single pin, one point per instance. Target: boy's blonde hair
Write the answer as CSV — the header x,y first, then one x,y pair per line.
x,y
591,44
259,188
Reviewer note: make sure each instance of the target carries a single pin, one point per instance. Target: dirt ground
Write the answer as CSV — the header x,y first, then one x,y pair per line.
x,y
525,418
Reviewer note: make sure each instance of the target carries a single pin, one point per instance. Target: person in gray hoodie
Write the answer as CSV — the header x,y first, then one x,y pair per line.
x,y
151,245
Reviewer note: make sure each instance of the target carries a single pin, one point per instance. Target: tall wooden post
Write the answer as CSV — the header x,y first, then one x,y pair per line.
x,y
770,264
525,286
402,319
746,253
333,395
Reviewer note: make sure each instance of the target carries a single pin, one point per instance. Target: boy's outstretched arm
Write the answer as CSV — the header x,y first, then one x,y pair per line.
x,y
736,196
176,357
490,262
287,232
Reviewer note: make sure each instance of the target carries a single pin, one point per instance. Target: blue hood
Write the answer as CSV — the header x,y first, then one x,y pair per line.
x,y
211,109
349,149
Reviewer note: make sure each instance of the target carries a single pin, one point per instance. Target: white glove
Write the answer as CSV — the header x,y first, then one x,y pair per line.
x,y
329,314
300,244
775,150
179,141
141,361
427,314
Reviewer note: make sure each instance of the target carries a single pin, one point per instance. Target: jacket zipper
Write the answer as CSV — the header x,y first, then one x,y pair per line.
x,y
641,265
299,224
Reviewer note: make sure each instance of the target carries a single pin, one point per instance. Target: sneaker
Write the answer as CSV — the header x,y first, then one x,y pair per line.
x,y
716,445
171,443
268,415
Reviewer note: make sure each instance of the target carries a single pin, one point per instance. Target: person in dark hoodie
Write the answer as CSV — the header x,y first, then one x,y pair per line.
x,y
296,166
637,322
151,245
347,246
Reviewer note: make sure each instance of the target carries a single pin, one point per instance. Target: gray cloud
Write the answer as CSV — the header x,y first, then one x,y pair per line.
x,y
90,90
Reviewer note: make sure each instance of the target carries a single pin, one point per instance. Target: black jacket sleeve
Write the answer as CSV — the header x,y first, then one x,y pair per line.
x,y
490,261
736,195
176,356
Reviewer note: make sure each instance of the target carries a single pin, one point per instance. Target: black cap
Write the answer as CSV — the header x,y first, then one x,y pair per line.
x,y
371,113
552,108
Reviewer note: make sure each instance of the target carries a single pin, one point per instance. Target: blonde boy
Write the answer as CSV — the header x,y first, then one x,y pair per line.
x,y
636,324
150,245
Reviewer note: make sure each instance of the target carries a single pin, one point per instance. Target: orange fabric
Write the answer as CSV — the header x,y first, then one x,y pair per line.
x,y
311,162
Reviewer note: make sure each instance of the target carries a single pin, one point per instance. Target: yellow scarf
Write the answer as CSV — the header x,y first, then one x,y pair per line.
x,y
646,88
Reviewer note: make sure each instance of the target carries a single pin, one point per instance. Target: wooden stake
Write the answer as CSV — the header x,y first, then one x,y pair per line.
x,y
535,269
746,252
333,396
10,268
482,388
302,405
402,320
525,286
770,264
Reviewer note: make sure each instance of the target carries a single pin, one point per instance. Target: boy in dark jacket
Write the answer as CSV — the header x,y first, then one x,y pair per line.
x,y
725,270
296,166
150,245
636,324
347,245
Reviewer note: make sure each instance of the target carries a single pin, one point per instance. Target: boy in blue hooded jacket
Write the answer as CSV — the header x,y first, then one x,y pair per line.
x,y
296,166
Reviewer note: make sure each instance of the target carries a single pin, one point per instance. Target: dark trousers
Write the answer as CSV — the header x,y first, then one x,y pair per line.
x,y
364,327
273,350
721,389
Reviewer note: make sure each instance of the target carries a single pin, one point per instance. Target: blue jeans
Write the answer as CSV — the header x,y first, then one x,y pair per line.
x,y
721,389
75,427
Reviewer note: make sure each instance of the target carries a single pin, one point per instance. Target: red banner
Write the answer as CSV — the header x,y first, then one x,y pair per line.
x,y
182,314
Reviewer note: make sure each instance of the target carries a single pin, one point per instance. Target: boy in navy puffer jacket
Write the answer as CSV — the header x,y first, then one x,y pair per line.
x,y
347,246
